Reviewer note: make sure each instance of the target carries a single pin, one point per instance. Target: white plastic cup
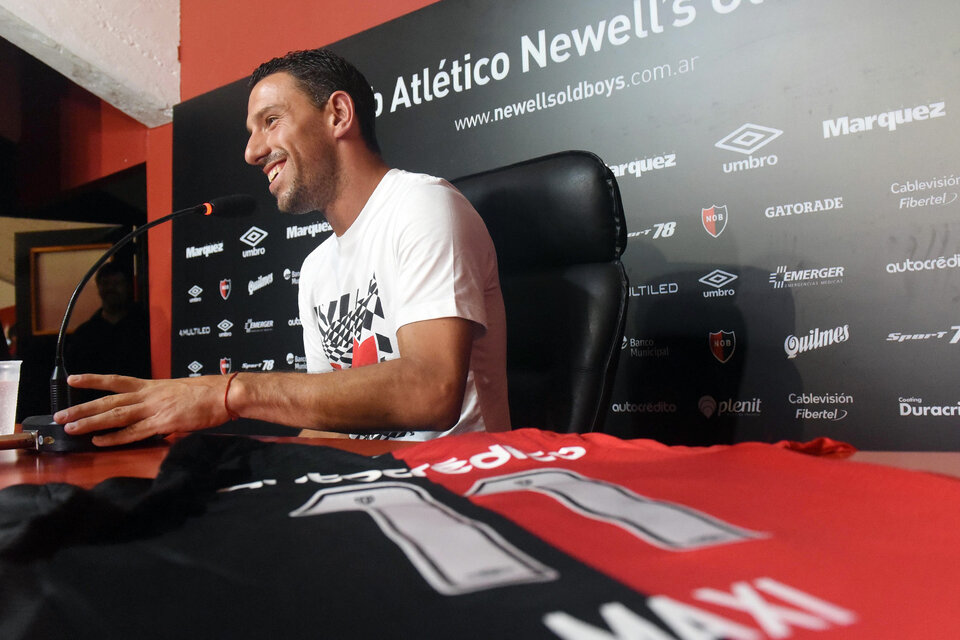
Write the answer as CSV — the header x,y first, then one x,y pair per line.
x,y
9,386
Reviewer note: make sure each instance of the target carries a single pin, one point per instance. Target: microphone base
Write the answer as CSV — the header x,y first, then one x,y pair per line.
x,y
52,437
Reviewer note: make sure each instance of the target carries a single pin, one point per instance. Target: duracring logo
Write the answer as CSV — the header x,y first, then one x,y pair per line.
x,y
786,277
194,331
205,251
709,407
637,167
815,339
911,187
313,229
889,120
933,264
262,281
714,219
253,237
916,408
291,276
748,139
899,337
826,406
195,292
659,406
664,288
194,368
802,207
257,326
225,326
718,279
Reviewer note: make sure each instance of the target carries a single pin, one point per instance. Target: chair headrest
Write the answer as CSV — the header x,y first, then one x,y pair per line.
x,y
555,210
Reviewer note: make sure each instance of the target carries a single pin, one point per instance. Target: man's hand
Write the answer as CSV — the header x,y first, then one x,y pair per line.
x,y
144,408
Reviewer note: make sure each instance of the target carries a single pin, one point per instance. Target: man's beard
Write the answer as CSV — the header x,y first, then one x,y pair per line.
x,y
316,194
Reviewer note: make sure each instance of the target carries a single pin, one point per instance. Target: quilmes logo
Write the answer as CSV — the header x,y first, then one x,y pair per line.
x,y
815,339
917,408
709,407
785,277
749,139
255,285
195,292
714,219
225,326
722,344
889,120
194,368
827,406
225,288
718,279
253,237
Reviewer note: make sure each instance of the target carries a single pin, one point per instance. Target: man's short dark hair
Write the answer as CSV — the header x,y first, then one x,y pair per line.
x,y
320,72
113,268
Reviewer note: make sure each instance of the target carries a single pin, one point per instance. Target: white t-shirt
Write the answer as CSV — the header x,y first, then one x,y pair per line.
x,y
417,251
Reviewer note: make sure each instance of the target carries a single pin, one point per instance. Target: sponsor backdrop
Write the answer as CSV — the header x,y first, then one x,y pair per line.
x,y
788,168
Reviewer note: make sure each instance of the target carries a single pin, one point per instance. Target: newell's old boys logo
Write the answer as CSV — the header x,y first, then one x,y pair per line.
x,y
226,365
225,288
723,344
714,219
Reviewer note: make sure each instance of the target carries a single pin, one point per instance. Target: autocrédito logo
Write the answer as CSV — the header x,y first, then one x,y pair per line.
x,y
656,406
825,406
916,408
815,339
747,140
932,264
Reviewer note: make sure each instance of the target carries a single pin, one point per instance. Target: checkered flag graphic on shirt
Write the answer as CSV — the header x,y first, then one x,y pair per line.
x,y
346,321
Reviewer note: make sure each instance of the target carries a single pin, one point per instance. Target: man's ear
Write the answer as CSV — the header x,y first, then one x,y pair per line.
x,y
342,113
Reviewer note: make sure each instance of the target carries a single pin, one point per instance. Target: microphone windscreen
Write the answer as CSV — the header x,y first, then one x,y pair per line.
x,y
235,206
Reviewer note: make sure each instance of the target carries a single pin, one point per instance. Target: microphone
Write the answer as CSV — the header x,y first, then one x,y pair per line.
x,y
50,436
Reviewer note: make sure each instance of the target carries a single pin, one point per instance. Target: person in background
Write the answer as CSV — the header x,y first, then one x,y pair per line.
x,y
116,338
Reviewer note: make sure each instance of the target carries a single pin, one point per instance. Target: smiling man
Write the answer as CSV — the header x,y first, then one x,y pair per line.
x,y
403,319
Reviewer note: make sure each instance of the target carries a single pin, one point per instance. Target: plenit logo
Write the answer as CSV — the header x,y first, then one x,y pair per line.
x,y
709,406
723,344
815,339
718,278
714,219
747,140
253,237
195,292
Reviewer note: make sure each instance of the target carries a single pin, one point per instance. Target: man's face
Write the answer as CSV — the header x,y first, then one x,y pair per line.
x,y
290,139
115,291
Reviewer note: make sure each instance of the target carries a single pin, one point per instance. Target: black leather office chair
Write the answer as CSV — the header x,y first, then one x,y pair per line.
x,y
558,227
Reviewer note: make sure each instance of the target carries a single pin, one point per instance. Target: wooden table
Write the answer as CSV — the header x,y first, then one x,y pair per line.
x,y
86,469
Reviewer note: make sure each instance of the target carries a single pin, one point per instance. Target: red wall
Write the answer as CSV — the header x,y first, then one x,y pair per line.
x,y
220,43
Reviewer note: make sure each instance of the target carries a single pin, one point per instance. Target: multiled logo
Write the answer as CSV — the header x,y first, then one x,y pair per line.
x,y
747,140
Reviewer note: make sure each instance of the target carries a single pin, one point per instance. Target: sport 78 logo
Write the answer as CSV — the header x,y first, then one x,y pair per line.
x,y
658,230
896,336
